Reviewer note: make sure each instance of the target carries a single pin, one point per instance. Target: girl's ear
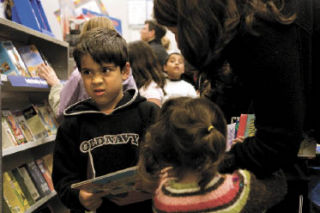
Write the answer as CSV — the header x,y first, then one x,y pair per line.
x,y
125,72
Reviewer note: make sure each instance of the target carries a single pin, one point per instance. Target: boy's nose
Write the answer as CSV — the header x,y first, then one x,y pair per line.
x,y
97,78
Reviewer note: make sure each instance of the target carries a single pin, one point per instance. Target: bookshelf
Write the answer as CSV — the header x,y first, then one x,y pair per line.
x,y
15,97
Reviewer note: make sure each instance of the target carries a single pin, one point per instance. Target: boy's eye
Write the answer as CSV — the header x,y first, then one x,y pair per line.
x,y
105,70
86,72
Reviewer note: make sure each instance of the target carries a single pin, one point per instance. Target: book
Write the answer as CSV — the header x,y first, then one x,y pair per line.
x,y
11,62
6,208
35,123
45,172
10,196
8,140
32,58
12,182
250,127
231,134
29,182
20,119
47,118
242,125
48,161
16,174
38,179
14,126
120,185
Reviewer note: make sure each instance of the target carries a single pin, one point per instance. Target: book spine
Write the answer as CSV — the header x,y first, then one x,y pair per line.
x,y
23,186
46,174
29,183
8,140
250,127
38,179
10,196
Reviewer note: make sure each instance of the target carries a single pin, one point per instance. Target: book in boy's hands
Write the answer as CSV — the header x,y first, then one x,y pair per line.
x,y
120,185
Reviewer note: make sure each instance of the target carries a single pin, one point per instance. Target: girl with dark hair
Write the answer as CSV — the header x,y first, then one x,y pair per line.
x,y
186,144
146,71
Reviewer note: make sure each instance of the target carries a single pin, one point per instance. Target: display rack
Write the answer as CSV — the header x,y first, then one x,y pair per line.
x,y
56,53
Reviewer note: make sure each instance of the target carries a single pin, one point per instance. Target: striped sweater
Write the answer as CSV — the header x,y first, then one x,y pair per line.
x,y
237,192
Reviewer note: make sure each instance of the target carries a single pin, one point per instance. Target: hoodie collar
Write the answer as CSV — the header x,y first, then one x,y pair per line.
x,y
88,106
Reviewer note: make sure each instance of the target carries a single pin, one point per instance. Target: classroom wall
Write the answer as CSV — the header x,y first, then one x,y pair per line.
x,y
115,8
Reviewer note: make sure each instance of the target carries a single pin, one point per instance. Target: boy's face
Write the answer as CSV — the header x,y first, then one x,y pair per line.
x,y
103,82
174,67
145,34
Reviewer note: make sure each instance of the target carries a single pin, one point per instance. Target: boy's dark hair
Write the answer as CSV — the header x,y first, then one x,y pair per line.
x,y
169,55
104,46
190,134
160,31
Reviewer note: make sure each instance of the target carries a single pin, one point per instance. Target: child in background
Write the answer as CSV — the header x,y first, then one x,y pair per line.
x,y
101,134
63,95
146,71
186,145
175,86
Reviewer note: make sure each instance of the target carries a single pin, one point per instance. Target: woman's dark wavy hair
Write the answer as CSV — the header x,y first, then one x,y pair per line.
x,y
144,64
206,26
180,139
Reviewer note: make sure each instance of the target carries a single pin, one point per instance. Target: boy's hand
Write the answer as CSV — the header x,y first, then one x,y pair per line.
x,y
47,73
91,201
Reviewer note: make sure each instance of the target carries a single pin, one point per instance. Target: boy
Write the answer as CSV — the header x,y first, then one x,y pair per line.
x,y
101,134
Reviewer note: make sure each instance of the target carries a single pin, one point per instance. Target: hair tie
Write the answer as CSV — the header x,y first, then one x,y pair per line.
x,y
211,127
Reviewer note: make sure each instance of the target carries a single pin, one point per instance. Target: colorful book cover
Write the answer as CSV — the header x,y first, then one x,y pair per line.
x,y
48,161
242,125
250,127
10,196
29,182
231,134
45,172
23,125
32,58
47,118
8,140
16,174
35,123
11,62
14,126
120,184
38,179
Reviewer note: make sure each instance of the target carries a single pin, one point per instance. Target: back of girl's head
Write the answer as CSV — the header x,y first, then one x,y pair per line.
x,y
144,64
189,135
96,22
103,45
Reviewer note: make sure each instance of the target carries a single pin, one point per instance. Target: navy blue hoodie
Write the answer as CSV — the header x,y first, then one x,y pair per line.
x,y
92,143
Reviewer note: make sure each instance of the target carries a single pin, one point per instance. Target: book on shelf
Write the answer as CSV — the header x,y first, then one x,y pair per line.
x,y
38,179
11,62
32,58
242,125
250,127
120,185
14,126
8,140
13,194
5,208
10,196
17,175
20,119
35,123
48,161
45,172
47,118
22,170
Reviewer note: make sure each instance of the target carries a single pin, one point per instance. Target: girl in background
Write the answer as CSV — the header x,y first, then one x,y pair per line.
x,y
146,71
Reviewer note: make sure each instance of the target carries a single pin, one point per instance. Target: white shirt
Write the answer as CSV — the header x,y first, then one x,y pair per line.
x,y
152,91
179,88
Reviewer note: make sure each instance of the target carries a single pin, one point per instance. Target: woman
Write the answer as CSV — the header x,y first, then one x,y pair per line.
x,y
262,41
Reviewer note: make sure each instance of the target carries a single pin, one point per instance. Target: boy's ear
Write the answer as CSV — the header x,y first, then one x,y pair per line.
x,y
125,72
